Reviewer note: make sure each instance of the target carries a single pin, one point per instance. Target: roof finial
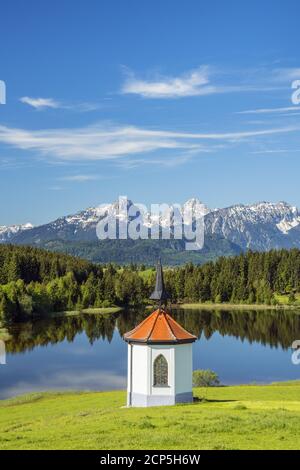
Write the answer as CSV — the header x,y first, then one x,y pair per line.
x,y
159,292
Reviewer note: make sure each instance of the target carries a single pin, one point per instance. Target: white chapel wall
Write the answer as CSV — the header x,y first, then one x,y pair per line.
x,y
184,368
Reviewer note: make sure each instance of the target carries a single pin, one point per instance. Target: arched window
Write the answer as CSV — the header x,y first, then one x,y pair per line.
x,y
160,371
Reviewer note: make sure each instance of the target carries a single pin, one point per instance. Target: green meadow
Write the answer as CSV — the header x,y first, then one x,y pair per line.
x,y
235,417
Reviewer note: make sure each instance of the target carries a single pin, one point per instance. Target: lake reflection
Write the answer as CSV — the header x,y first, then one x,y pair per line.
x,y
87,352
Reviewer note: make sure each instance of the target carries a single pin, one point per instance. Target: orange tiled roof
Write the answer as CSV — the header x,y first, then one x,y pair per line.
x,y
159,327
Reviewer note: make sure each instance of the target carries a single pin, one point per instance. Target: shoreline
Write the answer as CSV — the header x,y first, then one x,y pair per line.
x,y
283,383
5,336
229,306
85,311
61,392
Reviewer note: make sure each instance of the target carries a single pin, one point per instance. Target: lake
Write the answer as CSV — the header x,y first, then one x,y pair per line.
x,y
87,352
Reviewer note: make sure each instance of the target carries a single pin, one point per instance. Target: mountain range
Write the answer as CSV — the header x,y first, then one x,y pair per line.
x,y
261,226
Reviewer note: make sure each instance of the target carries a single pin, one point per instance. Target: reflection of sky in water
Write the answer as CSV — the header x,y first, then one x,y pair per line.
x,y
66,366
237,361
102,366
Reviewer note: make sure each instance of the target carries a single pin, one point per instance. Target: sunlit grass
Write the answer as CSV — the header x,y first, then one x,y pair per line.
x,y
240,417
90,311
283,299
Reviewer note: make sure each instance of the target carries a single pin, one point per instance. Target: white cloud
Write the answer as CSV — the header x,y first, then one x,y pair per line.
x,y
270,110
286,74
193,83
40,103
190,84
286,151
108,142
43,103
79,178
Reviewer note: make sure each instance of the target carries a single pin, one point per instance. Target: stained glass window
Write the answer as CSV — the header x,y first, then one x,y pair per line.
x,y
160,371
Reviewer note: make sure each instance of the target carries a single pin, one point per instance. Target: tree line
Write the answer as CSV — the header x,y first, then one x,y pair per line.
x,y
36,282
252,277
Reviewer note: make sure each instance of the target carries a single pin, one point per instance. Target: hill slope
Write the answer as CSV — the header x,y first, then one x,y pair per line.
x,y
171,252
238,417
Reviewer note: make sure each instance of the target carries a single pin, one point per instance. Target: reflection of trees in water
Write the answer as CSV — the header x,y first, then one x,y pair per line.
x,y
28,335
274,328
268,327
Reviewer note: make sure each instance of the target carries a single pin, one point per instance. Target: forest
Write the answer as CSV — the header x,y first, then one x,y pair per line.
x,y
34,282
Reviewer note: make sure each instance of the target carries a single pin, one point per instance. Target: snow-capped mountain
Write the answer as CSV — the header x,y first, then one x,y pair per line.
x,y
7,233
82,225
260,226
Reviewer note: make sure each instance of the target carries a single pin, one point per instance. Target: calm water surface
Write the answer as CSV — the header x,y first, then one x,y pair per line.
x,y
87,352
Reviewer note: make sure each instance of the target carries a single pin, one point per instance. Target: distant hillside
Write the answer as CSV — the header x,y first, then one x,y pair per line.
x,y
36,265
36,282
172,252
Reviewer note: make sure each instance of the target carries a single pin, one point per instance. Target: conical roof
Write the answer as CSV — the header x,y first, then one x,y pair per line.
x,y
159,328
159,292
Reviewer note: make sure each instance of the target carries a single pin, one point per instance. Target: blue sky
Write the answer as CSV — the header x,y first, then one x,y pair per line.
x,y
160,101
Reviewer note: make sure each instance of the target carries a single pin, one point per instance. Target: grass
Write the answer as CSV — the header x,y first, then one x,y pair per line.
x,y
283,299
102,310
89,311
147,273
237,417
230,306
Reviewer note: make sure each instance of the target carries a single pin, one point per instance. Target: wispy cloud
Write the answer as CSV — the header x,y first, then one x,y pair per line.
x,y
40,103
271,110
193,83
285,74
108,142
271,151
204,80
44,103
79,178
55,188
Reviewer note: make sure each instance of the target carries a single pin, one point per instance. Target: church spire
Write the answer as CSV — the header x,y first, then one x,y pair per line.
x,y
160,294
